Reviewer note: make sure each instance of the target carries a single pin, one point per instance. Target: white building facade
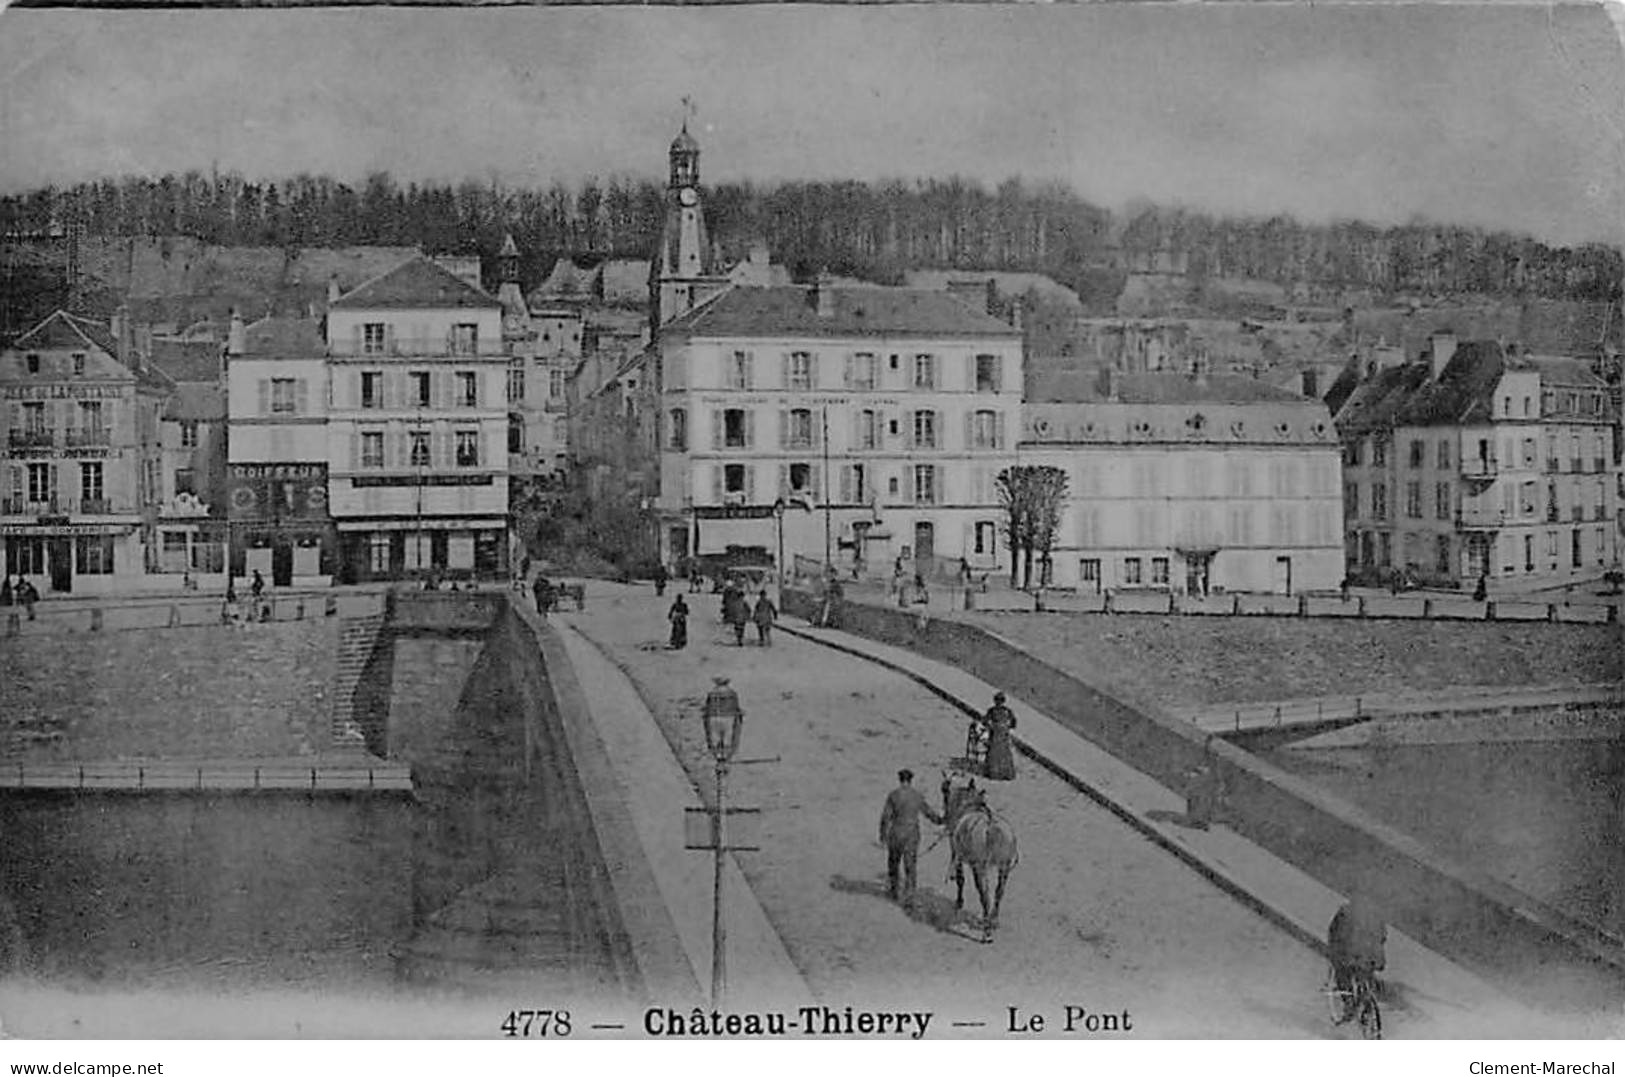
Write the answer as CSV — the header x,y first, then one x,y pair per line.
x,y
877,418
417,431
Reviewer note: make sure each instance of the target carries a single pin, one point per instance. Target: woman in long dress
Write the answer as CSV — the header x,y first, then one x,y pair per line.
x,y
679,624
1001,760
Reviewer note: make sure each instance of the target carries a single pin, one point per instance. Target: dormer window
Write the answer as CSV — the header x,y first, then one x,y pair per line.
x,y
78,364
31,361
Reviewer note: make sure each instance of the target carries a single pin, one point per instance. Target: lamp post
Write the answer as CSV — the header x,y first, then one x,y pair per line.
x,y
778,520
724,722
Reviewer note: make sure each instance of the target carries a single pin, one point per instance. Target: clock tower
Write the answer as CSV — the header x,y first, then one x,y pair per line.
x,y
684,269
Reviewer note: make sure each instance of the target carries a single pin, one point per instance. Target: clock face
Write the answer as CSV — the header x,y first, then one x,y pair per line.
x,y
688,196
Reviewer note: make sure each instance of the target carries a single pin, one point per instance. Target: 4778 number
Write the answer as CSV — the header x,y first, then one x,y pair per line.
x,y
539,1023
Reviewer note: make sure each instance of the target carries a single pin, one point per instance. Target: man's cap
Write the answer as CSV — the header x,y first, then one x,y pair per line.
x,y
998,697
905,775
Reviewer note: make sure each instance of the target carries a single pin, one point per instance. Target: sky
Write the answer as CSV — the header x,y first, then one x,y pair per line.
x,y
1497,115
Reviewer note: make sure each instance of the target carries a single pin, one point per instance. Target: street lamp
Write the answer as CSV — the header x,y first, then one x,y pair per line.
x,y
724,723
778,519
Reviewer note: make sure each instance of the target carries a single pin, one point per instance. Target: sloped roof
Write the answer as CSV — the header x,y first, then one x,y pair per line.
x,y
1010,283
626,280
187,360
1081,383
1559,370
288,337
1409,395
791,312
566,280
196,401
416,284
63,330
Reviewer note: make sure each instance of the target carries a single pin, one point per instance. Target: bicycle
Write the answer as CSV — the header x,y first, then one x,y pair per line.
x,y
1357,1002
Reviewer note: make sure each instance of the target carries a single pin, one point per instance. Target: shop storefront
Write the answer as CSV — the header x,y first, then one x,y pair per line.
x,y
280,526
69,558
398,548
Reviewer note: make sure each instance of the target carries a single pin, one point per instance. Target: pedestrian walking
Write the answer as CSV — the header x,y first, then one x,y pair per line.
x,y
1203,791
678,616
27,595
921,599
900,834
764,615
1000,765
737,614
5,590
661,576
542,591
1481,592
257,588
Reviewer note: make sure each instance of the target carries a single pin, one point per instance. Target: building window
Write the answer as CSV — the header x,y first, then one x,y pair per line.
x,y
372,389
1379,501
39,482
1353,452
1442,501
1385,549
78,364
733,479
1529,460
1159,571
1526,407
1526,499
1529,553
1416,454
925,372
799,371
372,449
800,478
735,429
1574,548
31,361
989,374
468,448
1351,499
90,420
1602,542
985,430
468,389
1413,499
867,435
420,382
516,435
373,338
419,452
925,484
188,433
283,398
860,372
679,430
1131,571
465,339
1442,553
985,537
739,372
1379,452
925,430
1089,572
555,384
1444,455
516,383
860,484
798,434
378,552
93,555
90,482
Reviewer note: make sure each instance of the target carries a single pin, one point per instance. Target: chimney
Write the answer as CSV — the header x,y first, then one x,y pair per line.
x,y
143,343
333,291
821,296
237,339
126,346
1441,346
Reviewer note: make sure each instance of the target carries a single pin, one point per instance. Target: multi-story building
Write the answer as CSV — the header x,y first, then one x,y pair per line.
x,y
544,346
1190,483
889,411
82,456
277,379
1480,463
192,508
417,427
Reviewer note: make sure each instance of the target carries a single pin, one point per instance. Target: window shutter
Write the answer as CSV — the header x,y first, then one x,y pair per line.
x,y
479,389
816,421
355,449
815,482
716,428
908,484
750,428
716,484
784,428
301,397
784,479
812,371
784,381
998,373
970,373
970,427
355,339
389,337
998,430
909,425
750,484
851,365
265,396
939,476
52,473
846,484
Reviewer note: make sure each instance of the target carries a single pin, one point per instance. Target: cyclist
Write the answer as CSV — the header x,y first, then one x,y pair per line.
x,y
1356,942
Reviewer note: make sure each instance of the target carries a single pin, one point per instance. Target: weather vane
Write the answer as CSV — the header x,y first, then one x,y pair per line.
x,y
690,110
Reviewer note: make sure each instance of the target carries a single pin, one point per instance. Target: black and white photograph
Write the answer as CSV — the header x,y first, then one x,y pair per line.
x,y
797,523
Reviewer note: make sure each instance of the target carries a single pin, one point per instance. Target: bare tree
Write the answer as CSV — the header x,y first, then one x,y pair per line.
x,y
1032,499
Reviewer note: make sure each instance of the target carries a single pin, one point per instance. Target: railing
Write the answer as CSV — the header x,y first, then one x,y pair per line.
x,y
88,437
1480,467
1477,516
425,347
31,439
63,506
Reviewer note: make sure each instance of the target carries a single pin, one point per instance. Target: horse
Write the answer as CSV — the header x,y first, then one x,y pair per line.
x,y
981,839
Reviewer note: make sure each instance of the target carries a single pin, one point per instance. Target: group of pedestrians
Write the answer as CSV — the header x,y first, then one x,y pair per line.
x,y
25,594
737,612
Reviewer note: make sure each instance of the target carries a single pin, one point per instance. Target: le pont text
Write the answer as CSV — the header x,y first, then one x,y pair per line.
x,y
1077,1020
